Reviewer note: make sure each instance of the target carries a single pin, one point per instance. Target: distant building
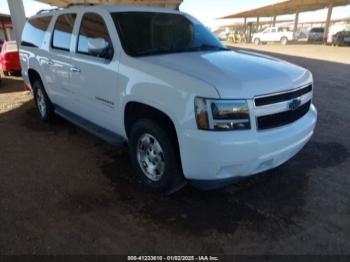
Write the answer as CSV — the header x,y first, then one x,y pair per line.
x,y
6,28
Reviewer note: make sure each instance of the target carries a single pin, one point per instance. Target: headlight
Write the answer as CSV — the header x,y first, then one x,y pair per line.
x,y
214,114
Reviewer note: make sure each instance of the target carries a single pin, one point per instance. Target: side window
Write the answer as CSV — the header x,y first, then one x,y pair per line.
x,y
283,29
273,30
34,31
62,33
93,38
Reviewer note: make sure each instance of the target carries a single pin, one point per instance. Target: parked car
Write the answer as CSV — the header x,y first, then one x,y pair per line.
x,y
316,34
273,34
9,58
337,34
341,38
223,36
189,108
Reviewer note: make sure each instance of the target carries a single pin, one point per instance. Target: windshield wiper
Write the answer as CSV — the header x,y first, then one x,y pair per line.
x,y
206,47
203,47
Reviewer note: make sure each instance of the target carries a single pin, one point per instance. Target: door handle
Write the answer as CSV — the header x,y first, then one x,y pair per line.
x,y
50,62
75,69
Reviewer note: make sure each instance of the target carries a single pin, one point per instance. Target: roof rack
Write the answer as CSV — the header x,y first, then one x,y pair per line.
x,y
42,11
78,4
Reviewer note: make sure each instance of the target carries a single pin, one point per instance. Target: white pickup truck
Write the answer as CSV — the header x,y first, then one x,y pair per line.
x,y
189,108
273,34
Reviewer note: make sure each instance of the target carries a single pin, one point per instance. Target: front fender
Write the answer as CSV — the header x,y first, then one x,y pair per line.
x,y
167,90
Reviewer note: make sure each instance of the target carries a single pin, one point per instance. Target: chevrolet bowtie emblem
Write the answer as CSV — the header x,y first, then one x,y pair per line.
x,y
294,104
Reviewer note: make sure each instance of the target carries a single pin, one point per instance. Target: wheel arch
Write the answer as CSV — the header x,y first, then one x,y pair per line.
x,y
33,75
135,110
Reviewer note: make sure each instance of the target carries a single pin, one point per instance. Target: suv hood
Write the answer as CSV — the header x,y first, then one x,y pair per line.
x,y
236,74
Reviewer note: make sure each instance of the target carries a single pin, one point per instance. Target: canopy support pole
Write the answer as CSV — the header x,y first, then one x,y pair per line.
x,y
326,29
274,21
18,17
257,23
296,20
245,28
4,30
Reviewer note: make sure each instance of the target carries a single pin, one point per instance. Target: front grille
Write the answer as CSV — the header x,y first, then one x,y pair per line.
x,y
283,118
262,101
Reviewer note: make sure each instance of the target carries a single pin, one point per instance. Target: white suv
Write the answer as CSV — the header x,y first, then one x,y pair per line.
x,y
189,108
273,34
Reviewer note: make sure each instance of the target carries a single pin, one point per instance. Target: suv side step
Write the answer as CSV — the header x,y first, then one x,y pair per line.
x,y
102,133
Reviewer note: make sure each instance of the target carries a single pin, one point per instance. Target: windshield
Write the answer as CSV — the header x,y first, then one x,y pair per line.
x,y
317,30
149,33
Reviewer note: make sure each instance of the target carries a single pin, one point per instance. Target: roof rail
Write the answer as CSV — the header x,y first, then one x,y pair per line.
x,y
78,4
42,11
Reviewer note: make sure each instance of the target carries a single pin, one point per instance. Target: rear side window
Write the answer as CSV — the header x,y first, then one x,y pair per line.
x,y
34,31
283,29
62,33
93,27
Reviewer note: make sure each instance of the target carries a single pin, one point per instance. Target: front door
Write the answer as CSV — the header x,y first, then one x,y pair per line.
x,y
94,74
266,35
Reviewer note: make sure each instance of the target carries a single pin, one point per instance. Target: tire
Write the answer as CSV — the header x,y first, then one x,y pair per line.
x,y
257,41
284,41
42,102
147,135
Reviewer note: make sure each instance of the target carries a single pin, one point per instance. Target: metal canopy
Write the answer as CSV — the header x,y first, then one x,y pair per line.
x,y
160,3
288,7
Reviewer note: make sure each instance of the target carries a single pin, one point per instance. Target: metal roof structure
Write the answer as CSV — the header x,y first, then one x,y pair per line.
x,y
159,3
288,7
19,18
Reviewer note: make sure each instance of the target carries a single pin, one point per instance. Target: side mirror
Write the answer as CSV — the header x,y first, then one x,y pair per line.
x,y
97,46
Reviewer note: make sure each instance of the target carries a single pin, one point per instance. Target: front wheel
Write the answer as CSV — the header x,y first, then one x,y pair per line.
x,y
257,41
154,157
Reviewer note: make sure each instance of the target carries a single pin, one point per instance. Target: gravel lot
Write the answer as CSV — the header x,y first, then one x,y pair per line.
x,y
63,191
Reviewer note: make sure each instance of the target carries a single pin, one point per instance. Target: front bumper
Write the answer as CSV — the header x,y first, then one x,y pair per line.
x,y
211,155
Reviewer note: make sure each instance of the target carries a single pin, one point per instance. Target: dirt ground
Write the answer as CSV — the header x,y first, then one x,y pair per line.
x,y
63,191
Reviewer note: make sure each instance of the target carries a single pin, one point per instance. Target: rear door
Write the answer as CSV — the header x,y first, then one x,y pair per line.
x,y
94,76
59,61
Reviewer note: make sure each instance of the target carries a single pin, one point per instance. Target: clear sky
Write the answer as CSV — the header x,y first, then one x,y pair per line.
x,y
208,10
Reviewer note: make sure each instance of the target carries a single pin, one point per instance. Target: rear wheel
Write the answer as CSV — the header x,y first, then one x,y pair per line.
x,y
284,40
154,157
42,102
257,41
